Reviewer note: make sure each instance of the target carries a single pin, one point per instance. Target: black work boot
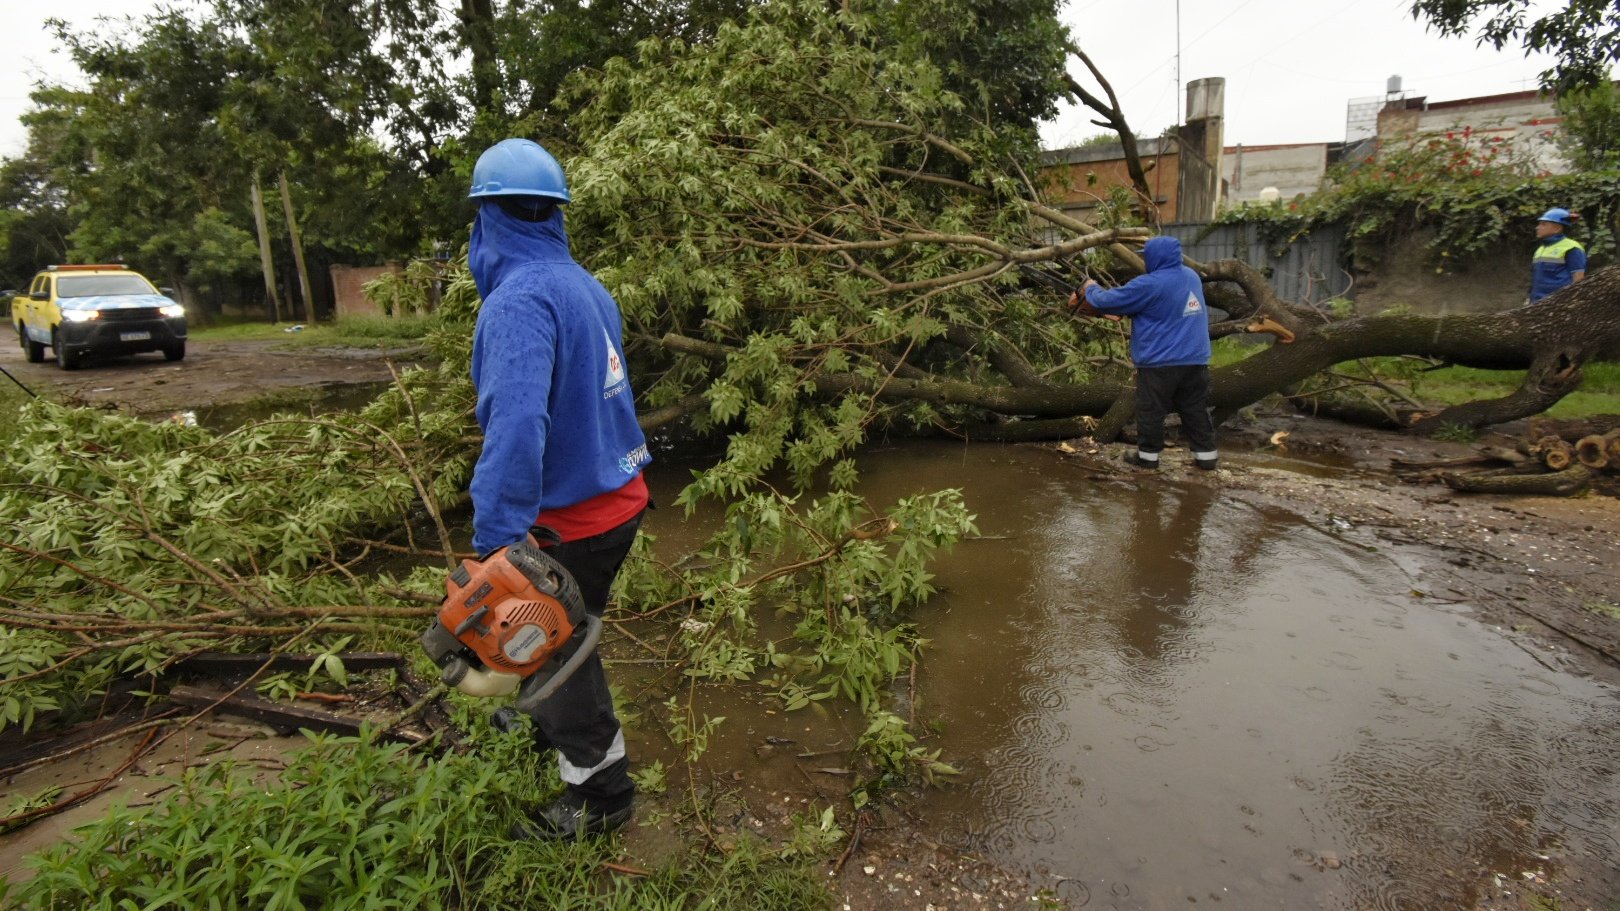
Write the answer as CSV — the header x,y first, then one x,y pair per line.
x,y
1135,460
1207,464
570,817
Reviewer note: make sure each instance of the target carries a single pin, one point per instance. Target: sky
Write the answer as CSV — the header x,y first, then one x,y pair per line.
x,y
1290,66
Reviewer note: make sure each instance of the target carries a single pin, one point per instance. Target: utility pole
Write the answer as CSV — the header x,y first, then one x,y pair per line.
x,y
1179,101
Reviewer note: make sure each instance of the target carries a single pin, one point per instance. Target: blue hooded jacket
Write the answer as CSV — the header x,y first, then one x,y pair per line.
x,y
1169,319
548,354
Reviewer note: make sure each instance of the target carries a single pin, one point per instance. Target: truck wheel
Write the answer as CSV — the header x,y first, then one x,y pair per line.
x,y
175,352
32,349
64,358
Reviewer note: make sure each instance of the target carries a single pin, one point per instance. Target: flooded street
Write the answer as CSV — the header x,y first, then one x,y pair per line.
x,y
1162,696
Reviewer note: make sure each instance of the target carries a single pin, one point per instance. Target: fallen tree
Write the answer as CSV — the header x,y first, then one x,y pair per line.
x,y
793,279
1551,340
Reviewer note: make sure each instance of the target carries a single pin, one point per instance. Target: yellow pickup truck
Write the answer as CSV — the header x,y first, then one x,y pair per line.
x,y
94,310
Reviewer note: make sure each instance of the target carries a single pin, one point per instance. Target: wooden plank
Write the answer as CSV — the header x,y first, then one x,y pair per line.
x,y
279,715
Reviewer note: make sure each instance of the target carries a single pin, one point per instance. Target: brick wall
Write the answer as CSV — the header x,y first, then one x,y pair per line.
x,y
347,298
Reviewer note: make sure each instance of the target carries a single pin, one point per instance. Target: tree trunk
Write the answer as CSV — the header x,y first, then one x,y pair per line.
x,y
478,29
1552,338
266,262
1351,409
1485,456
297,249
1565,483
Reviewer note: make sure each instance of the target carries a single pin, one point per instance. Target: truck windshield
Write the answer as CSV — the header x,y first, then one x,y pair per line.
x,y
95,285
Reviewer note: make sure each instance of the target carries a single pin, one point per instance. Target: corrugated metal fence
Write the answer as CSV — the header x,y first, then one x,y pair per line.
x,y
1306,271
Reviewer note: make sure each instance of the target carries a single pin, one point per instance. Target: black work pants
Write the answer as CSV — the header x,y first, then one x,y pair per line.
x,y
578,719
1184,390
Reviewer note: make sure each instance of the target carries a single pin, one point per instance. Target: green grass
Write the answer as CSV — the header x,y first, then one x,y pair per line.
x,y
1599,392
1229,350
1605,609
11,397
347,332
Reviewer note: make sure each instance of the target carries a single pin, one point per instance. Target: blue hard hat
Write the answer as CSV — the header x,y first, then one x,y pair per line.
x,y
1559,216
518,167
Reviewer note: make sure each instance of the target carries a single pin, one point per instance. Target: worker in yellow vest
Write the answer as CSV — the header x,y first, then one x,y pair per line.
x,y
1559,261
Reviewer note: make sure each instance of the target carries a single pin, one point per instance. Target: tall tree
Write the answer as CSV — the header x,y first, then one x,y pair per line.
x,y
34,221
1584,35
141,154
803,251
1005,58
1591,133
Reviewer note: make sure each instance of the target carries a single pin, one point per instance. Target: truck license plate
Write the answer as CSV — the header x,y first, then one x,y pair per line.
x,y
134,336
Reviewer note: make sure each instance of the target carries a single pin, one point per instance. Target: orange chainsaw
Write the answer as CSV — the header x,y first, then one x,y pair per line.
x,y
514,621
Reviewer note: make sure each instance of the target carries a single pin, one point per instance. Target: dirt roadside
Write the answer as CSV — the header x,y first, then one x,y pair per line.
x,y
213,374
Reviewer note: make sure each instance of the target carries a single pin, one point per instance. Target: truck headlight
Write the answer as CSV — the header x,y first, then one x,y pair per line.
x,y
172,311
81,316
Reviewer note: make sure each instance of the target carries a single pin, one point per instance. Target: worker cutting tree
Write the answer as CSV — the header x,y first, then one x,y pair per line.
x,y
1169,346
557,492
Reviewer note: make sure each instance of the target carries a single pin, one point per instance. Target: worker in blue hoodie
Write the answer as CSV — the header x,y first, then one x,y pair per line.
x,y
1169,346
562,450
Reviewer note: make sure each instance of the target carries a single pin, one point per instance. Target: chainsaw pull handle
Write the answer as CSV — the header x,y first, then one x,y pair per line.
x,y
528,700
476,618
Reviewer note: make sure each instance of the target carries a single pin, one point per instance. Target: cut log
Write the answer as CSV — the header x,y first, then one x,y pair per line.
x,y
1572,429
1566,483
1592,452
1611,445
1553,452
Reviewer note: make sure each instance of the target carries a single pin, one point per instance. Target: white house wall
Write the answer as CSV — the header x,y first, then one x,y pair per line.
x,y
1292,169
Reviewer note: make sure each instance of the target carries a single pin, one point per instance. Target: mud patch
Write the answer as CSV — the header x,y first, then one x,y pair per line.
x,y
213,374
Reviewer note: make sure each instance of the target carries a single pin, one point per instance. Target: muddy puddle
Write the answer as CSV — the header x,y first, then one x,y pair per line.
x,y
326,399
1162,697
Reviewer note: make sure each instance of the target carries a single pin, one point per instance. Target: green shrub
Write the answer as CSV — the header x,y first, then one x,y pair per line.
x,y
357,825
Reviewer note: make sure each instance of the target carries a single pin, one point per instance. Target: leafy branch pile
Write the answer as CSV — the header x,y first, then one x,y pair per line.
x,y
133,544
377,828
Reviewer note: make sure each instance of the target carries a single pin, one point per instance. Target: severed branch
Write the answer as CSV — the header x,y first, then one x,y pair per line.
x,y
1113,118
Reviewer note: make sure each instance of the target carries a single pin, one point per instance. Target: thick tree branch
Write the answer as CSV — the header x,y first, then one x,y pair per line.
x,y
999,353
1113,118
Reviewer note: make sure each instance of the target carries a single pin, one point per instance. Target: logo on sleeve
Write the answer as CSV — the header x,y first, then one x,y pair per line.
x,y
615,364
1193,307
